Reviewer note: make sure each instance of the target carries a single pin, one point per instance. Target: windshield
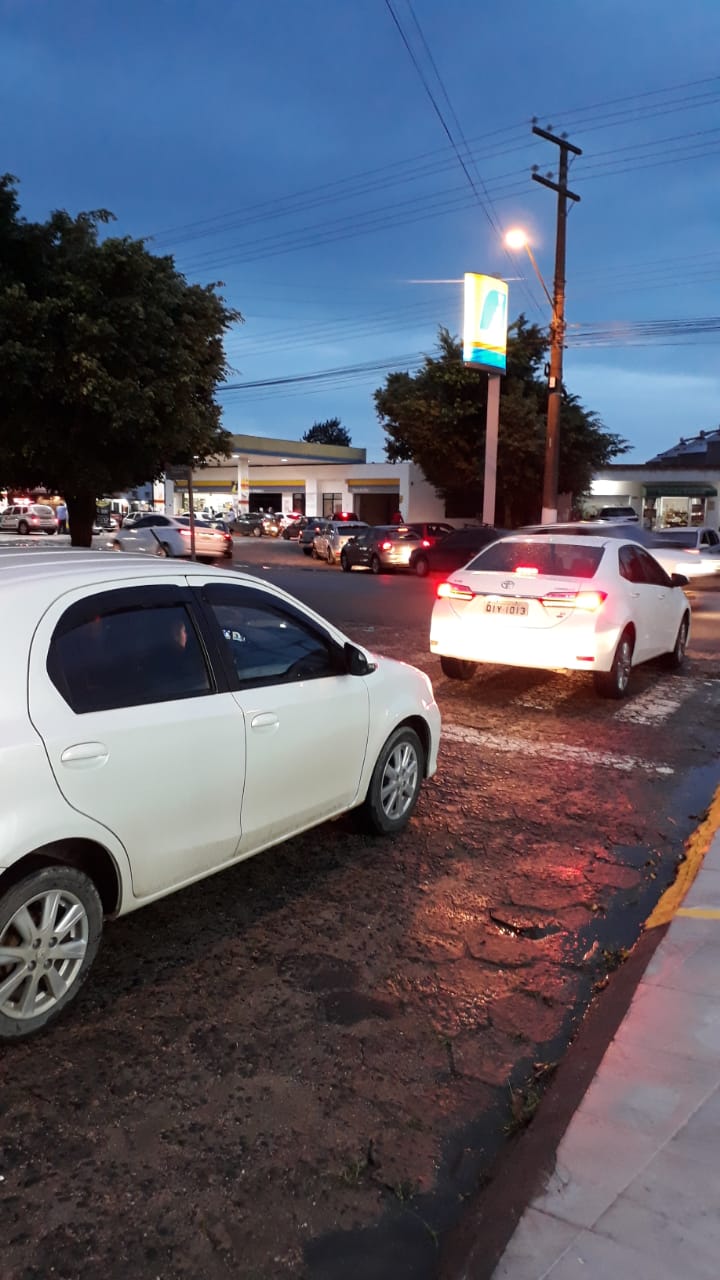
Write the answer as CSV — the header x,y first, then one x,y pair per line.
x,y
535,559
42,511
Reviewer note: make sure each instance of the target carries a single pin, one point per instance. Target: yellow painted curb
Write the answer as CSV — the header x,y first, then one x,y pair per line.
x,y
696,847
699,913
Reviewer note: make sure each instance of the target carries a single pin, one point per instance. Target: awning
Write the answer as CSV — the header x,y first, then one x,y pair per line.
x,y
679,489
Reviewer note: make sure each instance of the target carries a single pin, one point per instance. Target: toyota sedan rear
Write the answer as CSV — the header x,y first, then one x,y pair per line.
x,y
582,604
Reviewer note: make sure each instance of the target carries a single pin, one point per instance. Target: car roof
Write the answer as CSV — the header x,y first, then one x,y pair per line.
x,y
563,539
54,571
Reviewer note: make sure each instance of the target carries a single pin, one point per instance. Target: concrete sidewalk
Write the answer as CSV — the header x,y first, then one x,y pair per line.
x,y
635,1194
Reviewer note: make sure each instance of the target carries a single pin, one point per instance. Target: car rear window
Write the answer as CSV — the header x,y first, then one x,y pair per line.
x,y
551,559
44,512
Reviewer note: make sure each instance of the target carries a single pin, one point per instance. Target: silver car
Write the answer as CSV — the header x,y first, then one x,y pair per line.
x,y
387,546
328,544
29,517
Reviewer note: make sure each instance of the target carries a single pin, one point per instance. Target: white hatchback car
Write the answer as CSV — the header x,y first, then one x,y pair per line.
x,y
110,669
29,517
599,604
159,535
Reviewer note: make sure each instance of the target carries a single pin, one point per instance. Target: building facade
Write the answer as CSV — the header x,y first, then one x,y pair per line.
x,y
679,486
292,475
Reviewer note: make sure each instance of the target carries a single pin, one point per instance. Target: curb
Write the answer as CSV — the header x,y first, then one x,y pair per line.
x,y
696,847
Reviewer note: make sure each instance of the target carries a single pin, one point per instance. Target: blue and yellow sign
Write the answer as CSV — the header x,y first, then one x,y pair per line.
x,y
485,322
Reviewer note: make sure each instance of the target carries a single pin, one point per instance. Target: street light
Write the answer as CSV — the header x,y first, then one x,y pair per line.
x,y
516,240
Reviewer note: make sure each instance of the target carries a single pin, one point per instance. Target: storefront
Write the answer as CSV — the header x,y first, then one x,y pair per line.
x,y
288,475
677,487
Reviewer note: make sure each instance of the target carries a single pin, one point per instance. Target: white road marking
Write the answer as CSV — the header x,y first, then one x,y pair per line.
x,y
522,747
658,703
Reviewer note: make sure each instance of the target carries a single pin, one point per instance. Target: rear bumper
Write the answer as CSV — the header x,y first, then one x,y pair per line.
x,y
578,646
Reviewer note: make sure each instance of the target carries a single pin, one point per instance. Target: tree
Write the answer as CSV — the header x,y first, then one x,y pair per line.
x,y
109,360
328,432
436,417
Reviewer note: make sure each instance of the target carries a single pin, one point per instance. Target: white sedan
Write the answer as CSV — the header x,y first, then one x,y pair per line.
x,y
600,604
162,536
111,669
699,542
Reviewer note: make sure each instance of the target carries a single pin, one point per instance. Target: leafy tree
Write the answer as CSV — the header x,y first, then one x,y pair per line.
x,y
330,431
109,360
436,417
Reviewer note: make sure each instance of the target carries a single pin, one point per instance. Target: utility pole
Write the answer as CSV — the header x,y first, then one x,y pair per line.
x,y
557,327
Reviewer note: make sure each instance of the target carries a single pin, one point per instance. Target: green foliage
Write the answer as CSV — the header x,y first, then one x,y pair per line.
x,y
436,417
330,431
109,359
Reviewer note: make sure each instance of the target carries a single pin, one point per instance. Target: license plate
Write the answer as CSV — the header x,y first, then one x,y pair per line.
x,y
508,608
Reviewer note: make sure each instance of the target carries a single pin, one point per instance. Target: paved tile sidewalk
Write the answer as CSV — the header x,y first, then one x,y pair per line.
x,y
636,1189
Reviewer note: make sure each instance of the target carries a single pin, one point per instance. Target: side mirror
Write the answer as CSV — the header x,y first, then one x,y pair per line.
x,y
679,580
356,664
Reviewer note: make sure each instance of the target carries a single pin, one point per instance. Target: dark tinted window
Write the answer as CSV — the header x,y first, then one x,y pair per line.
x,y
652,571
465,538
266,643
630,563
556,559
127,658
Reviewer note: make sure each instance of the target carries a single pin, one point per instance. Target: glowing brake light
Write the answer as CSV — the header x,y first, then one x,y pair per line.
x,y
386,546
425,543
526,571
454,591
589,601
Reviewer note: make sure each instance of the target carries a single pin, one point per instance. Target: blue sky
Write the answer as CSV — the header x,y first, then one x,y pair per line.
x,y
290,151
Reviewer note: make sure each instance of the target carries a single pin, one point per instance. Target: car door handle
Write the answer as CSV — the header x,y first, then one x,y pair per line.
x,y
635,595
265,720
85,755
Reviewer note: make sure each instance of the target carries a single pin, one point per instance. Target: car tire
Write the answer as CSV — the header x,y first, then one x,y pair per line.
x,y
50,532
116,546
676,657
27,899
458,668
257,531
163,551
395,783
375,565
422,567
308,551
345,564
23,527
329,556
614,683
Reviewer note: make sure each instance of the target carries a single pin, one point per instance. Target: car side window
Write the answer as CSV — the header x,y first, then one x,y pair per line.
x,y
109,655
630,566
266,642
652,571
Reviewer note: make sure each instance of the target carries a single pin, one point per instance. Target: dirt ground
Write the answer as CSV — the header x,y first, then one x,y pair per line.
x,y
305,1066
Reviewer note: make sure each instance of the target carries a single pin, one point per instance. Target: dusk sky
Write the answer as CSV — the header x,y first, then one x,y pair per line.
x,y
291,151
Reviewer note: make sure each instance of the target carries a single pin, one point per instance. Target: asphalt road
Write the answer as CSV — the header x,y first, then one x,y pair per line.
x,y
305,1066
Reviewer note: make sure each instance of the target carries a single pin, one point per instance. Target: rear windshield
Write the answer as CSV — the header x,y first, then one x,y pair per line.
x,y
42,511
677,539
554,559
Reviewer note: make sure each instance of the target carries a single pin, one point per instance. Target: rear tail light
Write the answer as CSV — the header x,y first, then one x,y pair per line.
x,y
589,601
454,591
386,546
426,542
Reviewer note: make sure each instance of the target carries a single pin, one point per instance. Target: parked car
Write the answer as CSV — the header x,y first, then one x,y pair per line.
x,y
431,531
109,668
700,541
163,536
329,542
314,525
249,524
672,559
29,517
132,517
583,604
294,525
618,513
272,524
452,551
385,547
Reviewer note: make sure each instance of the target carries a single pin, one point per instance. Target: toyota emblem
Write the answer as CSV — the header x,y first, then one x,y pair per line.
x,y
507,584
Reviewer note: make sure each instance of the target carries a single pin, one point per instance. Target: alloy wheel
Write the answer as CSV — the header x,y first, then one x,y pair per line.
x,y
399,782
42,949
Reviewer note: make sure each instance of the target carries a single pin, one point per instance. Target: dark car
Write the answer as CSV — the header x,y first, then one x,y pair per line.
x,y
249,523
293,528
314,524
453,551
386,546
